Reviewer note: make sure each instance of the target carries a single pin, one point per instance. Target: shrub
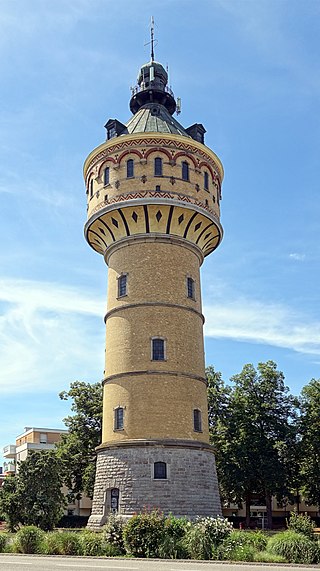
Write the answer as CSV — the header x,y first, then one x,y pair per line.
x,y
3,541
29,539
295,547
113,532
172,545
69,543
240,546
301,524
265,557
52,543
143,534
92,543
205,535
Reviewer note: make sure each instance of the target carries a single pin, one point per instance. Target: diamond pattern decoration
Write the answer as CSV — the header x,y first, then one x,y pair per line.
x,y
134,216
102,230
181,218
197,226
158,216
207,235
115,222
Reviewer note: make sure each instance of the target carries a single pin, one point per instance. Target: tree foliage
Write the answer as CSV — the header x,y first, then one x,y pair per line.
x,y
309,426
10,503
77,448
251,430
34,496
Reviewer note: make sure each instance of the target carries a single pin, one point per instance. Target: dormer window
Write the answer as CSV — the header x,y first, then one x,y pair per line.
x,y
185,170
130,168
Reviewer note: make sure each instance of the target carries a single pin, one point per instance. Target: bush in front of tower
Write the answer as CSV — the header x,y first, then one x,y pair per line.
x,y
113,532
205,535
144,533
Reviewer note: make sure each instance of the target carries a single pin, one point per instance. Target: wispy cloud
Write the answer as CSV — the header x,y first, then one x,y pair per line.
x,y
49,334
297,257
258,322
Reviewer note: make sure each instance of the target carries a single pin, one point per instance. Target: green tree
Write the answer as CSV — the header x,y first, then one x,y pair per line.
x,y
77,448
34,496
39,489
10,504
251,432
309,424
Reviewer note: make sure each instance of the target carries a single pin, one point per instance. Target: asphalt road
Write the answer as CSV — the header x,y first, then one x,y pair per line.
x,y
29,562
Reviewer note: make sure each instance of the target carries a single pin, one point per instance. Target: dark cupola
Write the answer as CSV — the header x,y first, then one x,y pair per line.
x,y
152,88
152,85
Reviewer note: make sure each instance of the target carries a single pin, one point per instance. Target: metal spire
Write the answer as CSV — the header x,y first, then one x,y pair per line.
x,y
152,38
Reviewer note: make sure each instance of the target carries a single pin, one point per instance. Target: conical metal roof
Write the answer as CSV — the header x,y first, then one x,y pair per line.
x,y
154,118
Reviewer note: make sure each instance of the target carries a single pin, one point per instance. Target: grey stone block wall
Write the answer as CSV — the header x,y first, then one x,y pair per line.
x,y
191,487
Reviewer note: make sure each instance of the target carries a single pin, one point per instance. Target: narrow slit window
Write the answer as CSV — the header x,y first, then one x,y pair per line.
x,y
190,288
106,176
158,349
157,166
91,188
206,180
185,170
197,424
118,418
160,471
130,168
122,285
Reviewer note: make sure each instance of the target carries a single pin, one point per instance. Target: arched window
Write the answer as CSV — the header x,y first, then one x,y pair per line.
x,y
118,418
106,176
190,288
160,471
185,170
205,180
197,423
122,285
130,168
157,166
158,349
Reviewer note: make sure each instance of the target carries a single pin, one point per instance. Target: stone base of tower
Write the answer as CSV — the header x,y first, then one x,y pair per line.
x,y
191,487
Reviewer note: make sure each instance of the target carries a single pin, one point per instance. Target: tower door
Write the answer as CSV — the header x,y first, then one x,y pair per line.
x,y
114,500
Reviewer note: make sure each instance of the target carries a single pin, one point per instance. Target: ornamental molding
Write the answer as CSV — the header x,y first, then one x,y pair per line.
x,y
158,144
153,194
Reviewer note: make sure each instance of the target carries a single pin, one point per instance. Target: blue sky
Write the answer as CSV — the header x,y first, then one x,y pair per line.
x,y
249,71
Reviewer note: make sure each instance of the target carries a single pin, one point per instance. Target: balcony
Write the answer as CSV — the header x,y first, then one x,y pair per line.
x,y
9,468
9,451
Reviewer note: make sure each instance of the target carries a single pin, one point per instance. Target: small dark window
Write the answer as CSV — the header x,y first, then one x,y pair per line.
x,y
130,168
158,187
112,132
157,167
185,170
190,288
91,188
106,176
160,471
197,425
206,181
158,349
122,285
118,418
